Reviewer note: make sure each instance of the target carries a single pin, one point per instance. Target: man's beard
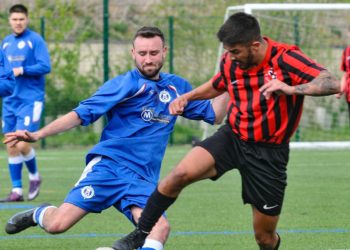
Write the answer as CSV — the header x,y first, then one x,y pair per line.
x,y
249,62
151,74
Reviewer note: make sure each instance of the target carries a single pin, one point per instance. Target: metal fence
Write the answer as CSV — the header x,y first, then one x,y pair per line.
x,y
88,46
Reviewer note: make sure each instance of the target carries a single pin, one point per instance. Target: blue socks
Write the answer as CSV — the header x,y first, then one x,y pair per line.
x,y
30,161
39,212
15,169
15,165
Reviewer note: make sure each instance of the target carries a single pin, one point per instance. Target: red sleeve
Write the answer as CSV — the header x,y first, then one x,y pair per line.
x,y
218,81
301,68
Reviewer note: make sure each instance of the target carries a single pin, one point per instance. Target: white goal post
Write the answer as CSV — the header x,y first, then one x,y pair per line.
x,y
249,8
266,11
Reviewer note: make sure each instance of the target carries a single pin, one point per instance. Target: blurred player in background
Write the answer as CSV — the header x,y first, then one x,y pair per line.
x,y
29,58
267,82
7,78
345,80
123,168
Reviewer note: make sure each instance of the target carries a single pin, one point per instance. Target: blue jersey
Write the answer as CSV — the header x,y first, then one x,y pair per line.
x,y
7,79
28,50
138,119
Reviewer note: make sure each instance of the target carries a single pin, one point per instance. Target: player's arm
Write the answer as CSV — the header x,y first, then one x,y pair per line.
x,y
42,58
64,123
203,92
219,104
7,79
323,84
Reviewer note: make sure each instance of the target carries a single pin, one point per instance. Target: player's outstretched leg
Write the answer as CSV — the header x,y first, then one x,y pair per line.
x,y
22,221
132,241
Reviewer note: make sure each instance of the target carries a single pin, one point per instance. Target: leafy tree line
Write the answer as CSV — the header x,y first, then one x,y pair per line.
x,y
74,33
68,30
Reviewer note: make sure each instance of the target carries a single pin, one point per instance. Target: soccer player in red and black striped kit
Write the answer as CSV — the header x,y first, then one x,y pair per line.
x,y
267,82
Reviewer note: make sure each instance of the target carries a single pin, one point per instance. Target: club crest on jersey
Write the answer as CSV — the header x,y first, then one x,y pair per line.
x,y
270,75
87,192
164,96
147,115
21,44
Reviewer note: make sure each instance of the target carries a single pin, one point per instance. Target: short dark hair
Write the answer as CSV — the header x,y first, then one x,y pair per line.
x,y
239,28
149,32
18,8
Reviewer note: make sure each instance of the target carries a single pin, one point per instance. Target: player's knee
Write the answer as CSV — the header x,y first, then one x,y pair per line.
x,y
23,147
182,177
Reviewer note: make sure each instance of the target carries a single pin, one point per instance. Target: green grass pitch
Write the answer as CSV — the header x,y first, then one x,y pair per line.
x,y
208,215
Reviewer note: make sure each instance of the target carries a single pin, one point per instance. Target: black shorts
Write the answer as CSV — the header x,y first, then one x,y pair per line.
x,y
263,167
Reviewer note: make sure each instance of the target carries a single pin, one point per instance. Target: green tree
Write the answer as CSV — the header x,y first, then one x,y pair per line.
x,y
67,29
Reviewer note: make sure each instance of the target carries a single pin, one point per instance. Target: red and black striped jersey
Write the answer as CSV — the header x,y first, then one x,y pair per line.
x,y
345,66
250,115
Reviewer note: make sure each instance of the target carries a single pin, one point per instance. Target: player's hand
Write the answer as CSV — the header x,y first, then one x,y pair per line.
x,y
276,86
339,95
17,71
21,135
177,106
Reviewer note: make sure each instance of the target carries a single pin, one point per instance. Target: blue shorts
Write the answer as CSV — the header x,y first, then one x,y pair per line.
x,y
105,183
21,116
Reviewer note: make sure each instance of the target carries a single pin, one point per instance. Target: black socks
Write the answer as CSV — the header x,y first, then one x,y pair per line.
x,y
155,207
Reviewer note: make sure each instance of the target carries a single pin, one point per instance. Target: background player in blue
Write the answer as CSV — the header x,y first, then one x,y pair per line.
x,y
7,78
123,168
30,61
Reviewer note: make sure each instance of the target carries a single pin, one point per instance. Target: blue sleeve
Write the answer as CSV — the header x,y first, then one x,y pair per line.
x,y
198,110
42,58
104,99
7,79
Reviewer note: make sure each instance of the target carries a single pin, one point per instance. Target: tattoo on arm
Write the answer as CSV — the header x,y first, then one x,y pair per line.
x,y
301,89
323,84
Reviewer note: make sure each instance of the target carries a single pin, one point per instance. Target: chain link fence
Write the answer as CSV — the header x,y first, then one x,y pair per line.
x,y
75,35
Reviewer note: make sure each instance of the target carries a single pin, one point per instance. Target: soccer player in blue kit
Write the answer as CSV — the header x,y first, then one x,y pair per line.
x,y
7,78
123,168
29,58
